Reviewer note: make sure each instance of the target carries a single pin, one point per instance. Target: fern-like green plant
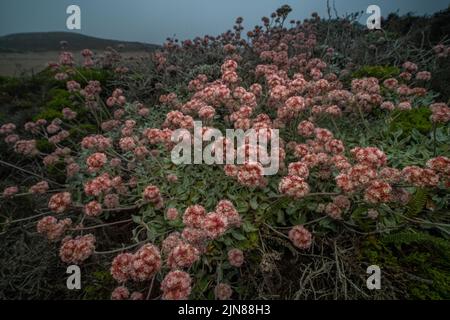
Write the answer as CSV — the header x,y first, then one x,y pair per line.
x,y
408,238
417,202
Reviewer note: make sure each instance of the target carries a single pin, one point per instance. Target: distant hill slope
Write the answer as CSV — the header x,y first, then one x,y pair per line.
x,y
50,41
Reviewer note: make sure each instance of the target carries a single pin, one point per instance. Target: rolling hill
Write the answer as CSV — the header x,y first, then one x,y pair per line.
x,y
50,41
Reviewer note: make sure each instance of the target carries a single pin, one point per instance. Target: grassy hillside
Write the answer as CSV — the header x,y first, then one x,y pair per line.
x,y
50,41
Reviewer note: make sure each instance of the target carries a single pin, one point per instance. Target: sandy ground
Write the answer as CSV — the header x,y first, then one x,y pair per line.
x,y
13,64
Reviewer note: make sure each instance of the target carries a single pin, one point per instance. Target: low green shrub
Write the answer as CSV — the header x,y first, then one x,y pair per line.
x,y
418,118
379,72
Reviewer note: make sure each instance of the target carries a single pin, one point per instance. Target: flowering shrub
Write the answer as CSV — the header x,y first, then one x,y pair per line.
x,y
195,231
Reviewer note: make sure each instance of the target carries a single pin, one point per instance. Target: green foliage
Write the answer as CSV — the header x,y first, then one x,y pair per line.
x,y
380,72
100,286
44,146
420,238
83,75
48,114
57,172
77,132
406,121
419,261
417,202
59,98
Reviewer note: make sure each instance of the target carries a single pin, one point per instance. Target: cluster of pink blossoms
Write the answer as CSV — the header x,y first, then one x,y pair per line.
x,y
117,98
96,161
39,188
140,266
300,237
76,250
153,195
60,202
180,251
53,228
440,113
9,192
294,186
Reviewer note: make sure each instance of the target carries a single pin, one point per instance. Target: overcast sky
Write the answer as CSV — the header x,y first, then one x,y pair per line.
x,y
154,20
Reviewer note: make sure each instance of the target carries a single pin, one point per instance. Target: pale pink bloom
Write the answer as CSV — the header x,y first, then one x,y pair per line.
x,y
93,209
172,214
60,202
40,187
10,191
120,293
300,237
121,267
78,249
183,255
214,224
236,257
223,291
293,186
176,285
53,228
146,262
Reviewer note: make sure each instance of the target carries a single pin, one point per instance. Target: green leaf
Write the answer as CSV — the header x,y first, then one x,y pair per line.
x,y
248,227
238,236
137,219
254,203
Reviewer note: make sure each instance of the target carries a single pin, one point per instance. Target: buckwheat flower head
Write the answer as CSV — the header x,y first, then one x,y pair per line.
x,y
372,214
172,214
146,262
121,267
236,257
78,249
96,161
251,175
170,242
333,211
40,187
299,169
136,296
440,113
152,194
176,285
390,175
300,237
194,236
120,293
183,256
440,165
223,291
9,192
215,224
343,202
227,209
172,178
60,202
194,216
293,186
378,192
111,201
93,208
53,228
369,156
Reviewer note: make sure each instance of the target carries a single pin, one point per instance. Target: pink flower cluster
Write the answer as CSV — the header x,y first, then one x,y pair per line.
x,y
140,266
76,250
53,228
300,237
60,202
153,195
